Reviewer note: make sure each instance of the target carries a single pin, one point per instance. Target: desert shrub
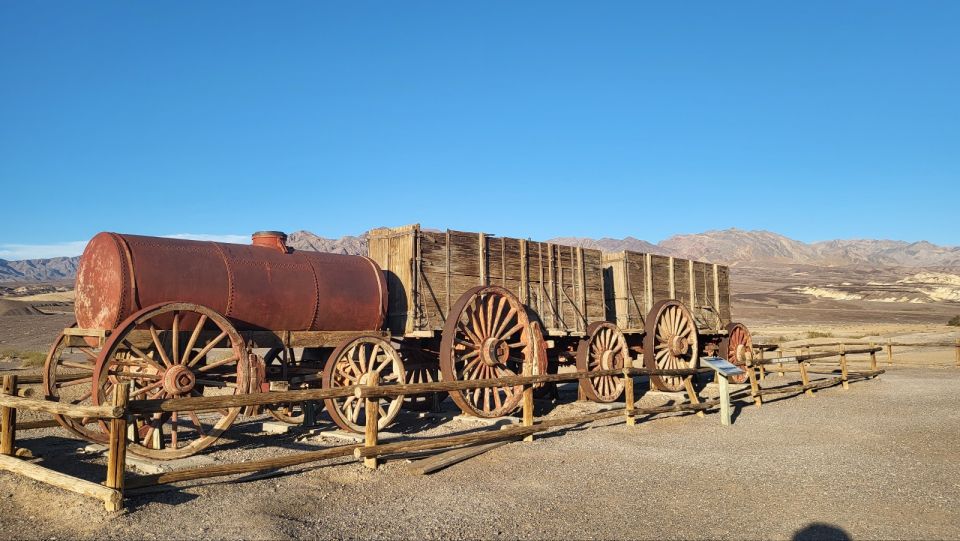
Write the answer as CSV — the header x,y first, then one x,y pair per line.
x,y
818,334
29,358
954,321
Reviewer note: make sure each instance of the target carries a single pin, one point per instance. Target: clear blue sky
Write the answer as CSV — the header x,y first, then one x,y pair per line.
x,y
817,120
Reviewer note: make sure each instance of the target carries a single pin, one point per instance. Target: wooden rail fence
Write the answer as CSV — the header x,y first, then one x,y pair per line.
x,y
803,362
372,450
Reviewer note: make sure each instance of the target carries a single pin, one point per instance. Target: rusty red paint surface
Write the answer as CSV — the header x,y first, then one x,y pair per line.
x,y
257,287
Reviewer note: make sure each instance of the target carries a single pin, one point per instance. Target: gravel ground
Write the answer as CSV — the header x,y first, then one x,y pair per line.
x,y
879,461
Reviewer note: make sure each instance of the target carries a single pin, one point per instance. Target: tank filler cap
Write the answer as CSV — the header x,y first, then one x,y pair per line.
x,y
271,239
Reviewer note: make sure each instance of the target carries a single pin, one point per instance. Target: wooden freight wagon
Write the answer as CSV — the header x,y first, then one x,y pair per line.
x,y
560,288
680,307
427,271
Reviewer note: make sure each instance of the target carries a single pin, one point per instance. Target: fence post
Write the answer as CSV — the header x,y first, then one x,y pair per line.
x,y
889,352
780,365
117,446
843,367
805,378
754,386
692,394
8,419
873,358
372,412
628,396
763,370
528,409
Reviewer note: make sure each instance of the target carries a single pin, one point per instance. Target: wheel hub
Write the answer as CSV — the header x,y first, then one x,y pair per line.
x,y
678,345
494,352
606,360
743,354
179,379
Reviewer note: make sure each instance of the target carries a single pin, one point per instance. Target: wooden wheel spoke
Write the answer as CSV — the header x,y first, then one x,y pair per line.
x,y
193,338
159,347
196,422
83,397
142,356
206,349
221,362
351,378
146,389
175,337
61,384
78,365
173,430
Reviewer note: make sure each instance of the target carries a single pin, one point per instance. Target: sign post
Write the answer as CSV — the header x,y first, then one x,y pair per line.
x,y
724,370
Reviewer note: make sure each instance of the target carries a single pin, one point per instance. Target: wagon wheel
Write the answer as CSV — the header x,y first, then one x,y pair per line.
x,y
68,378
544,366
350,364
737,347
670,342
420,367
487,335
279,361
212,362
603,348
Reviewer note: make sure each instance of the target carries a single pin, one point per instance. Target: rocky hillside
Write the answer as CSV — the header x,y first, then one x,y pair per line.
x,y
39,270
305,240
736,246
612,245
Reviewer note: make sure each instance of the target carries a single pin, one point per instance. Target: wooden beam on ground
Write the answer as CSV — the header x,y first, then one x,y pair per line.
x,y
243,467
454,456
108,496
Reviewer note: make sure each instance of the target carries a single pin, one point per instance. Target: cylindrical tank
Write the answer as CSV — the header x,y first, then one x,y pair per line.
x,y
260,286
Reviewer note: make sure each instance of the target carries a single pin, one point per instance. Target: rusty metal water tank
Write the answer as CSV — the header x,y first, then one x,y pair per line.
x,y
260,286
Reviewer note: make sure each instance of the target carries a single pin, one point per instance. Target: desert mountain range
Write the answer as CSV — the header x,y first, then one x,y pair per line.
x,y
730,246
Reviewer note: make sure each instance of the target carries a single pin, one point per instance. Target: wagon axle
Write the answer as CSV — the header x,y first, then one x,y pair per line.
x,y
494,352
179,380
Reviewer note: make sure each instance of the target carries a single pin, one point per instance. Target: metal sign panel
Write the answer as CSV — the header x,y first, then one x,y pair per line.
x,y
724,367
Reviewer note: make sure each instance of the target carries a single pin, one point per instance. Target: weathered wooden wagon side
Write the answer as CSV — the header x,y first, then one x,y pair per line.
x,y
427,271
636,281
680,307
561,287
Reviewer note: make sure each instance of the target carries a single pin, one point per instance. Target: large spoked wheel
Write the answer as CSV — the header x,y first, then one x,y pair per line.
x,y
670,342
279,363
737,346
487,336
421,367
174,350
604,348
68,378
351,364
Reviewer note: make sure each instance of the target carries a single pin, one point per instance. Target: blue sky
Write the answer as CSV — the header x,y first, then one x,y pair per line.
x,y
817,120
